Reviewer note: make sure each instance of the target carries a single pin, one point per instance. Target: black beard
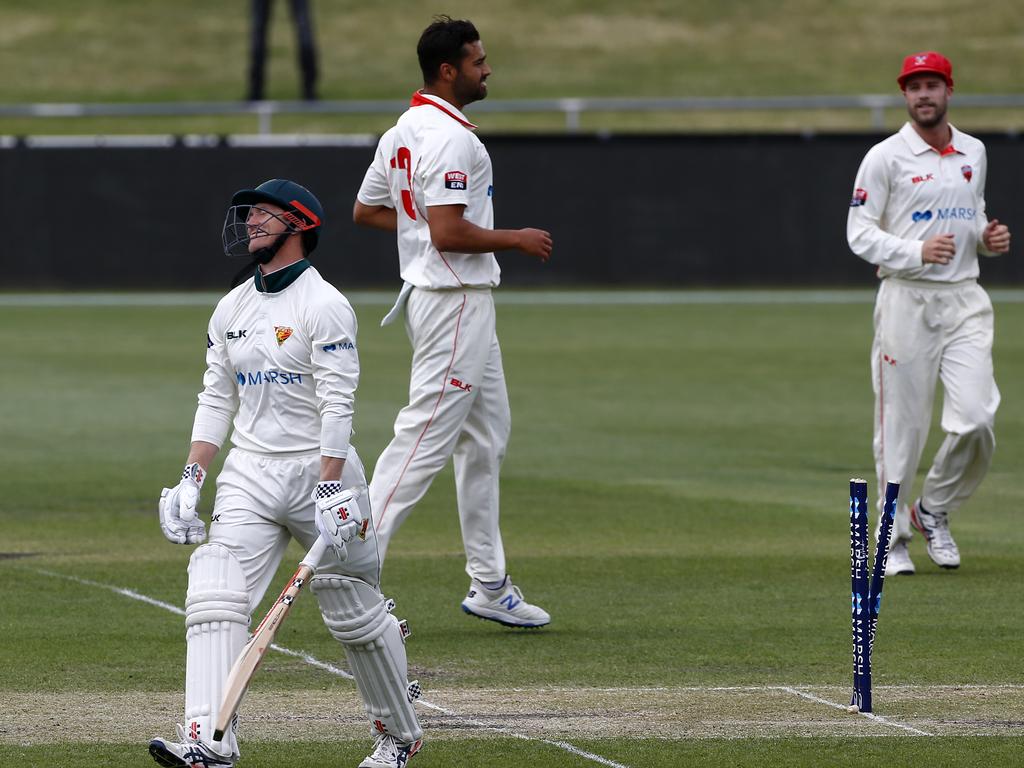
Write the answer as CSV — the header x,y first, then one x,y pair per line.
x,y
940,114
467,95
265,254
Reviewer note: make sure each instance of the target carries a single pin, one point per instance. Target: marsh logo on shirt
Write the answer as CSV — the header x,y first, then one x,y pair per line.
x,y
455,180
259,378
963,214
282,333
921,216
340,346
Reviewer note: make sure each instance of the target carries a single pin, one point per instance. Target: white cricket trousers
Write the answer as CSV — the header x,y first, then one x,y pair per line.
x,y
926,331
263,502
458,406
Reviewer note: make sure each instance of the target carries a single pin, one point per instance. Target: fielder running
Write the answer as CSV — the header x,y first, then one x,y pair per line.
x,y
918,212
282,369
431,182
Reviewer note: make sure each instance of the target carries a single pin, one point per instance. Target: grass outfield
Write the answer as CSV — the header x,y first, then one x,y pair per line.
x,y
111,50
674,493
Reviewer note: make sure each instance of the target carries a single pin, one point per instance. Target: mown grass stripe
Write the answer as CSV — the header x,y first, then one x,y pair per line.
x,y
330,668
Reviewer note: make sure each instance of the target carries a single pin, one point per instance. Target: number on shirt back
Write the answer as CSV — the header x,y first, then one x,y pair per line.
x,y
403,160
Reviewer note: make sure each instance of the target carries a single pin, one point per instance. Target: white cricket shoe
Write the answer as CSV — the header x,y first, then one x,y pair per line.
x,y
187,753
935,528
899,563
388,752
505,605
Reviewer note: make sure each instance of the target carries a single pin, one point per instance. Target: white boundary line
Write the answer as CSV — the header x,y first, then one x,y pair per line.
x,y
510,297
330,668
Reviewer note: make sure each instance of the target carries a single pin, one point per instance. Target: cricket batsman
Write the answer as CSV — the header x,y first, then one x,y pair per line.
x,y
281,375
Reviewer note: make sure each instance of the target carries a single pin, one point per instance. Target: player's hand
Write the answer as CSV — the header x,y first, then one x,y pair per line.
x,y
996,237
938,250
535,242
338,517
179,516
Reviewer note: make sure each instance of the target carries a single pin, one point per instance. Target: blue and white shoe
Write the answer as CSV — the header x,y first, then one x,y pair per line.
x,y
935,527
505,605
187,753
389,752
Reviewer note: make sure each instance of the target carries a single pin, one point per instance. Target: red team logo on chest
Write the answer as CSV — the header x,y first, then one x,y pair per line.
x,y
967,171
455,180
282,333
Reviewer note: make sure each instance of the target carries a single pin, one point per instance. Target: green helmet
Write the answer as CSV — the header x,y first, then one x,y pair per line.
x,y
302,212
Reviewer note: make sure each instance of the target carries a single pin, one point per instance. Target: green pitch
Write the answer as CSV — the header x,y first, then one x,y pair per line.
x,y
674,494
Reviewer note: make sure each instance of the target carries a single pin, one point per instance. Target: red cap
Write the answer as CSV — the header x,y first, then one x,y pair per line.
x,y
928,61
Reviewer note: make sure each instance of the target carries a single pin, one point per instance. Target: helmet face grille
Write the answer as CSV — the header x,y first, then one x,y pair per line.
x,y
237,235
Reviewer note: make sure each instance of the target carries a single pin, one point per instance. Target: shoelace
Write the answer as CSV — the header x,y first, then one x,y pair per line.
x,y
385,749
940,535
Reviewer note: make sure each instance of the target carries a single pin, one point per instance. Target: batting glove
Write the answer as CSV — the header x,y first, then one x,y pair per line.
x,y
179,515
338,517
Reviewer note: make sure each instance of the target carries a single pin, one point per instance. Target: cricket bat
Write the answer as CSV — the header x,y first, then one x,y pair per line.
x,y
249,659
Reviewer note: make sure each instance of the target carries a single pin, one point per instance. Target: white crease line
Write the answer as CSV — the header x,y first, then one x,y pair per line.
x,y
330,668
313,661
869,715
119,590
507,732
750,688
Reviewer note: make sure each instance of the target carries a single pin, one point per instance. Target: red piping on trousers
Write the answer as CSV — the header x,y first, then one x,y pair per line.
x,y
881,411
444,383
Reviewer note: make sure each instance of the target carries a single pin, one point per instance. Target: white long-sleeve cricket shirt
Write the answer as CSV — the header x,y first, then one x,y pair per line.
x,y
907,192
281,366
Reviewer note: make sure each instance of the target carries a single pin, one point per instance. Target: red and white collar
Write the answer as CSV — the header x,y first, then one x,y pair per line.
x,y
420,99
919,146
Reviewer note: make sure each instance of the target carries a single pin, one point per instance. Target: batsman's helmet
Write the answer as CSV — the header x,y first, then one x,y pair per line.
x,y
302,214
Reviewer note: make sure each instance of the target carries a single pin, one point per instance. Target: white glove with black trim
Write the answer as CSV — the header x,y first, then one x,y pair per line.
x,y
179,514
338,517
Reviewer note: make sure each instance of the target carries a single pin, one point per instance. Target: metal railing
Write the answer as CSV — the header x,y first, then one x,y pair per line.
x,y
571,108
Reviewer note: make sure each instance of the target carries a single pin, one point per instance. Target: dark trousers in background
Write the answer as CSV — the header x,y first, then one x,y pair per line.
x,y
258,49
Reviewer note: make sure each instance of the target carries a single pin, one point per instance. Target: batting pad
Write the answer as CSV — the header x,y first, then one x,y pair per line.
x,y
374,643
216,630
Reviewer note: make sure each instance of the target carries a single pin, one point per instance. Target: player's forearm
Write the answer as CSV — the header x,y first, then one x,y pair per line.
x,y
376,216
331,468
461,236
876,246
201,453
